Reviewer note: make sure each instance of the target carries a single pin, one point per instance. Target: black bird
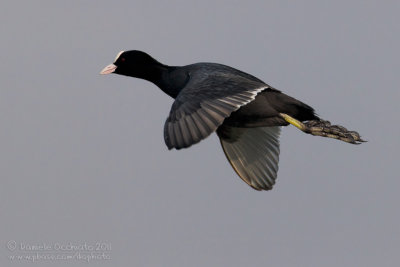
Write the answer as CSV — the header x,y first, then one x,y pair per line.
x,y
245,112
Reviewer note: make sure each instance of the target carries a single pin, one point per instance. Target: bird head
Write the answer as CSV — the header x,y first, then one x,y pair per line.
x,y
132,63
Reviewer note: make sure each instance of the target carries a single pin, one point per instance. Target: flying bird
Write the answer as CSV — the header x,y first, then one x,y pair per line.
x,y
245,112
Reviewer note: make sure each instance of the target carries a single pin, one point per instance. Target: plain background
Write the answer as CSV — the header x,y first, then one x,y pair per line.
x,y
83,157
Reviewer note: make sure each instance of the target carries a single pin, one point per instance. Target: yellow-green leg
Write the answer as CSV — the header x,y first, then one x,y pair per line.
x,y
294,122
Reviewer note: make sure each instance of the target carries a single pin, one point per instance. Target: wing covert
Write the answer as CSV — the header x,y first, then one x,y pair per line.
x,y
202,106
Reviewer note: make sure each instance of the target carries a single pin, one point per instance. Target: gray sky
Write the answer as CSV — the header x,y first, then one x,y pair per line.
x,y
83,158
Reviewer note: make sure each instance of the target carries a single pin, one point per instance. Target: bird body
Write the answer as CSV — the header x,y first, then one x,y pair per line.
x,y
245,112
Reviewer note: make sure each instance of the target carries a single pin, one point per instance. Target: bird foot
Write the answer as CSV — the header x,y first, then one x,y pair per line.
x,y
325,129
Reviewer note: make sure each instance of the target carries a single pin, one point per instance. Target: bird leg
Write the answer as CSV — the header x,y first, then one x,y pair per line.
x,y
325,129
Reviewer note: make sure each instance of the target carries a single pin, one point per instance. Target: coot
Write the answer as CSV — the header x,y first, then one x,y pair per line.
x,y
245,112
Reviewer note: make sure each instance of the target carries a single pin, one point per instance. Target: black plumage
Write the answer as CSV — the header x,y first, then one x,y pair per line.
x,y
245,112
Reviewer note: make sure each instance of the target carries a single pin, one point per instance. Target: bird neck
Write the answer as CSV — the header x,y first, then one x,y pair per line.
x,y
152,73
170,81
157,74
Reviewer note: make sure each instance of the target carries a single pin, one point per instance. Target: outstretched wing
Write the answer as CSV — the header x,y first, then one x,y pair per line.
x,y
253,154
202,106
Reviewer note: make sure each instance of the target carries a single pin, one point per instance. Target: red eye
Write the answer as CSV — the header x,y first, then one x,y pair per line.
x,y
122,59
